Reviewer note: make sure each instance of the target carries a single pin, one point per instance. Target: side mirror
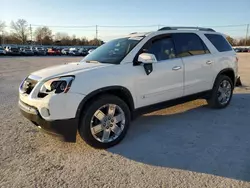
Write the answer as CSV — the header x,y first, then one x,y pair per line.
x,y
147,59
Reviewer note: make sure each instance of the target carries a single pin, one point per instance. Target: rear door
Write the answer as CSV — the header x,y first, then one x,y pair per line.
x,y
226,57
197,61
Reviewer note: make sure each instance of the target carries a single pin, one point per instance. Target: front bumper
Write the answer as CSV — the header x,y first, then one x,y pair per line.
x,y
65,129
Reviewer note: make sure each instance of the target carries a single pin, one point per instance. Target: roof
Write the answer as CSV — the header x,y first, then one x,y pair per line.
x,y
186,28
175,28
142,34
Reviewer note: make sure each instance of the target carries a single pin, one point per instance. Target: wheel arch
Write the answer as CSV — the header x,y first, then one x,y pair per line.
x,y
228,72
118,91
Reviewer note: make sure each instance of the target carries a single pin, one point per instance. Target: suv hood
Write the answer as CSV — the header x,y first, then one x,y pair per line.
x,y
67,69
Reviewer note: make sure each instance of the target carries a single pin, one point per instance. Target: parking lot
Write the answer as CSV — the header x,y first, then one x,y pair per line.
x,y
188,145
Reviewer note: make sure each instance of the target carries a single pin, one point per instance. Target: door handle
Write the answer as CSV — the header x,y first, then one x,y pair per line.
x,y
209,62
175,68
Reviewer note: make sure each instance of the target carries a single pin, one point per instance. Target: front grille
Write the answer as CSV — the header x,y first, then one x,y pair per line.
x,y
28,85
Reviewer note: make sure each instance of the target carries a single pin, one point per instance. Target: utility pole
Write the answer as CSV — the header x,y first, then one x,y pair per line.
x,y
30,34
246,34
96,34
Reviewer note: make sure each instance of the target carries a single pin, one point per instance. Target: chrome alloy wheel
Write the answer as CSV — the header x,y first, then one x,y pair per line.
x,y
224,92
107,123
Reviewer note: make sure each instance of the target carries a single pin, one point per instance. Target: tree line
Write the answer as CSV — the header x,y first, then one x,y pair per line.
x,y
21,34
239,42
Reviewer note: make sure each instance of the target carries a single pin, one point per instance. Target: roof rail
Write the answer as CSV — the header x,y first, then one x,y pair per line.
x,y
194,28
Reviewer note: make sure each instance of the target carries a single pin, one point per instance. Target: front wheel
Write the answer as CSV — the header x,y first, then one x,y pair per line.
x,y
222,92
105,121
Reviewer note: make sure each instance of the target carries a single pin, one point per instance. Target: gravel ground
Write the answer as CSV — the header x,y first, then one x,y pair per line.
x,y
187,145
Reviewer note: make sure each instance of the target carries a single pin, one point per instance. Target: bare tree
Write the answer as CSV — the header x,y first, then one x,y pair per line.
x,y
231,40
20,30
10,39
60,36
43,35
2,25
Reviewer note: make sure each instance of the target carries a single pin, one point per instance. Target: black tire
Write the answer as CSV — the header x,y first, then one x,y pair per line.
x,y
88,112
213,100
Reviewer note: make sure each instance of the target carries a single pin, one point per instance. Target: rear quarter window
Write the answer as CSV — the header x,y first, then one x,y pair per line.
x,y
219,42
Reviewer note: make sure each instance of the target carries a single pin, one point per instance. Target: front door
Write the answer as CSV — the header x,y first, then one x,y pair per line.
x,y
165,82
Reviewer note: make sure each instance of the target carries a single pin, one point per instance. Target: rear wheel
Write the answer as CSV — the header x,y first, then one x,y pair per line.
x,y
222,92
105,121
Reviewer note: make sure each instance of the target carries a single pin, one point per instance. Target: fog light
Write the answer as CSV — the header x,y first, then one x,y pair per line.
x,y
45,112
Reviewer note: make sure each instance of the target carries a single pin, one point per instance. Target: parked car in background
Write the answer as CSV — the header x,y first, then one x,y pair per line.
x,y
26,51
12,50
237,50
74,52
83,51
244,49
91,50
39,51
72,49
53,51
49,50
65,51
2,51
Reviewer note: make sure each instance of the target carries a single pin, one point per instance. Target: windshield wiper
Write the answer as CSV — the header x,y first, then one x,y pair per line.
x,y
92,61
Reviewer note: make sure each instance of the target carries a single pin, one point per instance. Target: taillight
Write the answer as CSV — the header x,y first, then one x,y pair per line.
x,y
237,59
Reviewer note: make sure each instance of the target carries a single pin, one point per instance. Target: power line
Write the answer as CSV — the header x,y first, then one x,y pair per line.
x,y
90,26
132,26
86,26
240,25
125,26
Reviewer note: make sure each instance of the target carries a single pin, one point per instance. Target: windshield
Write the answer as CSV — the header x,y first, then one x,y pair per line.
x,y
113,52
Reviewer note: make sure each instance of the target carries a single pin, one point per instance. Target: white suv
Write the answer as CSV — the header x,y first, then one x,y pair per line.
x,y
100,95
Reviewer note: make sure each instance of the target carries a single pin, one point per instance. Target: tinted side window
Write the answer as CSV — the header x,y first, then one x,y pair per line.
x,y
163,49
189,44
219,42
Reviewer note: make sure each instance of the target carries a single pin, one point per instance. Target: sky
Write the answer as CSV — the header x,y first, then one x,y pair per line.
x,y
147,14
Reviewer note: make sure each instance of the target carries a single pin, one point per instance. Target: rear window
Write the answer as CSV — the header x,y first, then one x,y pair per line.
x,y
219,42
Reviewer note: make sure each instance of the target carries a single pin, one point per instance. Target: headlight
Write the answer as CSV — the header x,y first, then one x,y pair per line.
x,y
57,85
